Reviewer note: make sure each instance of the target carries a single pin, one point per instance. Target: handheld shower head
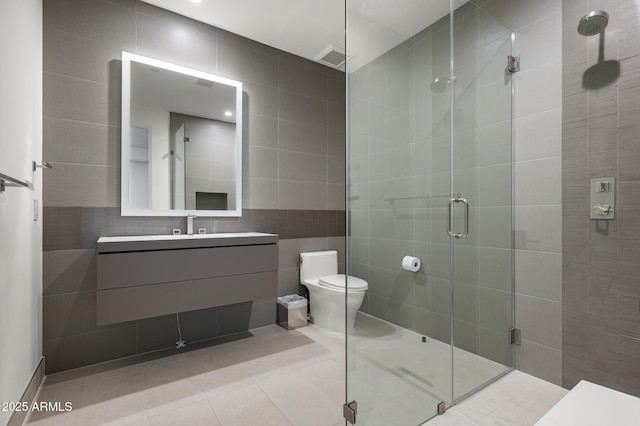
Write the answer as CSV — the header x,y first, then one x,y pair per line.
x,y
593,23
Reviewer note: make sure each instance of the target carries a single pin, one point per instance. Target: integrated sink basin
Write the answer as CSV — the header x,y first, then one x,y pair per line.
x,y
162,242
186,236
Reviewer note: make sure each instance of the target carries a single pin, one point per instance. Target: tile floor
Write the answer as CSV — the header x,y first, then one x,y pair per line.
x,y
270,376
516,399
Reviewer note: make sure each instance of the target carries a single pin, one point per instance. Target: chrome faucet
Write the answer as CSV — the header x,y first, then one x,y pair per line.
x,y
190,224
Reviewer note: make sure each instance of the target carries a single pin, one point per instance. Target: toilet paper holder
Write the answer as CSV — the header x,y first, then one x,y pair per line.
x,y
411,263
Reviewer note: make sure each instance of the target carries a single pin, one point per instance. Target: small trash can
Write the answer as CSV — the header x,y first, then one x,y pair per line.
x,y
292,311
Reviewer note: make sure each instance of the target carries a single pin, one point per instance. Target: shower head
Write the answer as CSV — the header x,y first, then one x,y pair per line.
x,y
593,23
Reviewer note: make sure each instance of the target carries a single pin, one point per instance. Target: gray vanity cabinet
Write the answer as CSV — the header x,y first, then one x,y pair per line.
x,y
142,277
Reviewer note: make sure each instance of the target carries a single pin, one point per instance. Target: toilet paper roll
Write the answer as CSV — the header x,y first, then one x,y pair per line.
x,y
410,263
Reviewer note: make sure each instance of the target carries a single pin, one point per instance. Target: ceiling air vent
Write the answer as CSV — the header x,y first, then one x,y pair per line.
x,y
332,56
205,83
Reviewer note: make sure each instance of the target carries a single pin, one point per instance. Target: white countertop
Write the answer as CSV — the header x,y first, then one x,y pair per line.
x,y
169,237
182,241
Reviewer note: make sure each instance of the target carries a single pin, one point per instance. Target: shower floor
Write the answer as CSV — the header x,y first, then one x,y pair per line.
x,y
392,372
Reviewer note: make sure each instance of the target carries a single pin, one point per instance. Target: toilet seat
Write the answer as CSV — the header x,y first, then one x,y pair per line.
x,y
337,282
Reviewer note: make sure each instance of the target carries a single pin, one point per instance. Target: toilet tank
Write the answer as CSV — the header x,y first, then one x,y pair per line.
x,y
317,264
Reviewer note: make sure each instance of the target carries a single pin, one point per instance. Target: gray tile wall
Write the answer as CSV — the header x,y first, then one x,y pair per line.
x,y
400,148
537,153
294,169
601,268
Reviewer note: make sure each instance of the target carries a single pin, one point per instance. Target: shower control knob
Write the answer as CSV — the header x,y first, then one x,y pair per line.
x,y
603,209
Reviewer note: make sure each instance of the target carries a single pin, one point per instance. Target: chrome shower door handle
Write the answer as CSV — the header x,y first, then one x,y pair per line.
x,y
449,230
459,235
466,217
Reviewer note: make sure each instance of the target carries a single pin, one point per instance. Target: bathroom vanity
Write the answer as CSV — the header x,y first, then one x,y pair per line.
x,y
146,276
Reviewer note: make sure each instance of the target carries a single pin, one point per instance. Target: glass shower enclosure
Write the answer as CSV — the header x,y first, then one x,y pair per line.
x,y
429,95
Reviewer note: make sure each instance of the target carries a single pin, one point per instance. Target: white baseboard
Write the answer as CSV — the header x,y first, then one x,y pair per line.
x,y
29,394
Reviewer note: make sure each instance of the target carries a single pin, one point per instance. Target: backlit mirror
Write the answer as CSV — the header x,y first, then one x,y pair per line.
x,y
181,141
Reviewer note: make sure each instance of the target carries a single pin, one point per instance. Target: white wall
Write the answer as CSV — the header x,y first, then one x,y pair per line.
x,y
20,235
157,121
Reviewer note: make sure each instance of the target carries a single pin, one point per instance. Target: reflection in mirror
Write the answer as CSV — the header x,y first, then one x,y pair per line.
x,y
201,176
181,141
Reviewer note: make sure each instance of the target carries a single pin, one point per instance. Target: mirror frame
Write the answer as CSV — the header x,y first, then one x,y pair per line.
x,y
125,208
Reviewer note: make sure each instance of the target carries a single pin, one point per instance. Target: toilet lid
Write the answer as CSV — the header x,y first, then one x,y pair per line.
x,y
338,282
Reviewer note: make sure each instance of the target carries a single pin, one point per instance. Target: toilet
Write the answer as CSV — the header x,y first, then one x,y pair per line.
x,y
319,273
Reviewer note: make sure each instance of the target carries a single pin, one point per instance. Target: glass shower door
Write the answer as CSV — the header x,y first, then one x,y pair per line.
x,y
178,165
399,150
481,202
429,174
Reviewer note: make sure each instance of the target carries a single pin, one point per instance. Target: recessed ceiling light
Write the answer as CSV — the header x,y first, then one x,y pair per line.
x,y
196,1
228,113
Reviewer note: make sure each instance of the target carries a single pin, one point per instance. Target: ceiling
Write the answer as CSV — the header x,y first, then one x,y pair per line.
x,y
301,27
306,27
